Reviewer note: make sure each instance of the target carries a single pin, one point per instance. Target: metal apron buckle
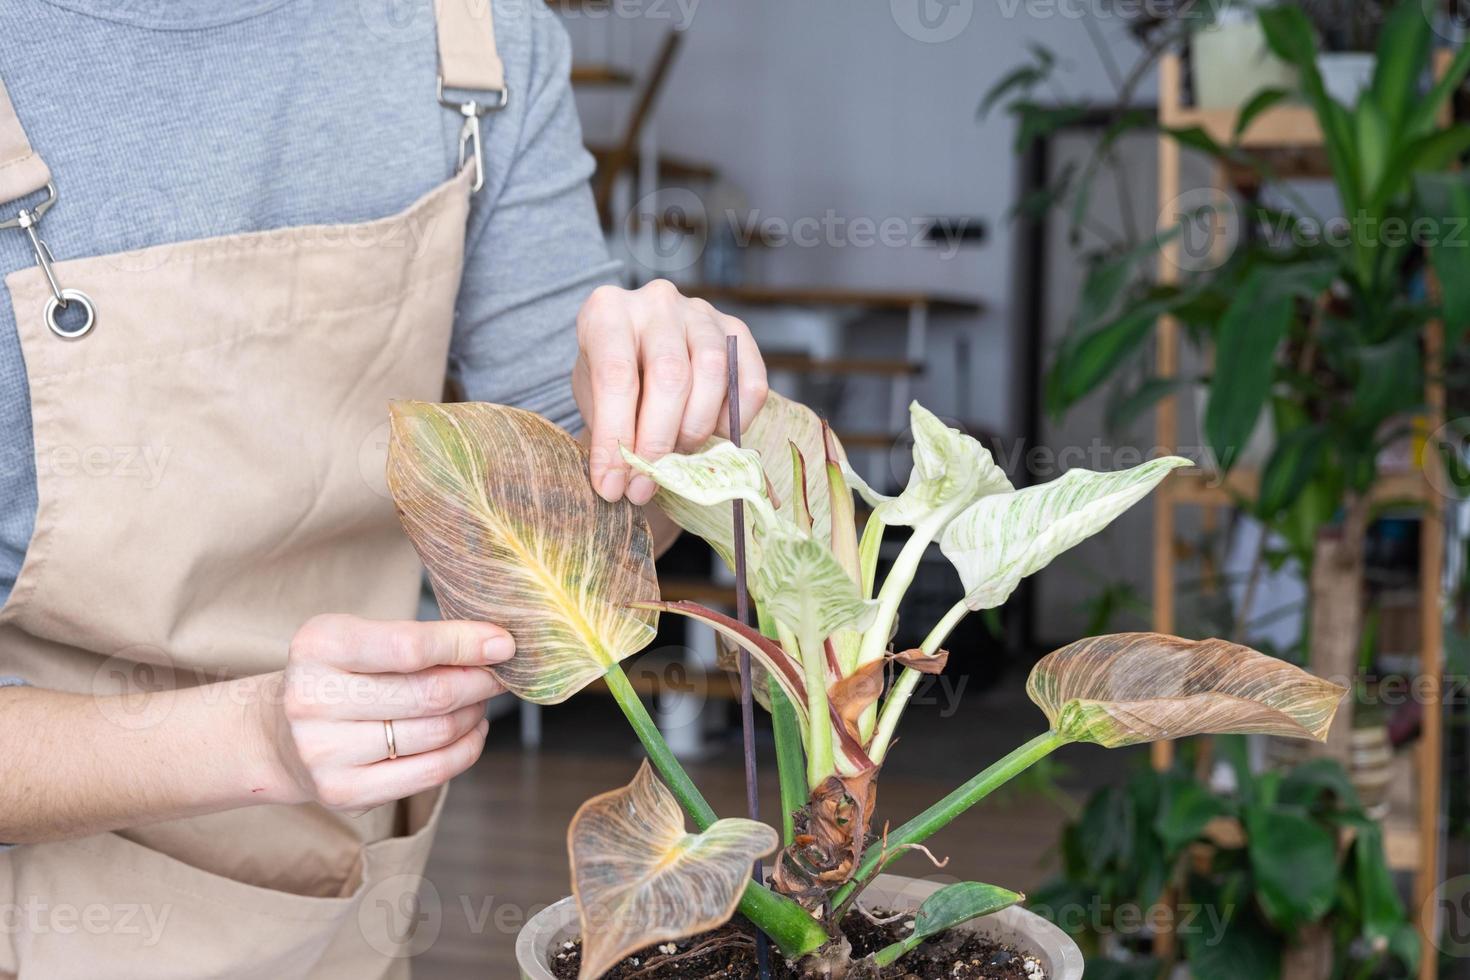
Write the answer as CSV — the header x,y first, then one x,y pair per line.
x,y
469,134
28,219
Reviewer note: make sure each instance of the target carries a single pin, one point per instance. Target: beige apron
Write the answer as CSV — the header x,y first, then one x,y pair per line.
x,y
209,461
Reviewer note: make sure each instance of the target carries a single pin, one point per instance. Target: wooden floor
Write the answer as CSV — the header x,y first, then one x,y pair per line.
x,y
501,853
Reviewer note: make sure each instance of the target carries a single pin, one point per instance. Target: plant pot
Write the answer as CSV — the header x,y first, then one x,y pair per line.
x,y
1025,930
1230,61
1346,73
1370,763
1371,767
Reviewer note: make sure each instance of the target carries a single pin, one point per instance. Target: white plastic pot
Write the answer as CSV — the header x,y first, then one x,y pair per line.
x,y
1028,932
1345,74
1230,62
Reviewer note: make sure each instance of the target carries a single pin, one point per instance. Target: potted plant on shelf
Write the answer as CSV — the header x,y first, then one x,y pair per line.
x,y
1317,327
499,506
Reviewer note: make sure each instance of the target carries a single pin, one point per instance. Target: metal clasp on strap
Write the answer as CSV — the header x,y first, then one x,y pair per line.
x,y
469,134
28,220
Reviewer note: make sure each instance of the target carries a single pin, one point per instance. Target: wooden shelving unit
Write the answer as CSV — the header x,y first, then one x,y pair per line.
x,y
1412,840
604,75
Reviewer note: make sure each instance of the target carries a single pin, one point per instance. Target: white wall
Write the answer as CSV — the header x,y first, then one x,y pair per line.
x,y
818,105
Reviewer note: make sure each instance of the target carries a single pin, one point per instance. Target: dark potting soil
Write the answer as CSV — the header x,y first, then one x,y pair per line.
x,y
728,953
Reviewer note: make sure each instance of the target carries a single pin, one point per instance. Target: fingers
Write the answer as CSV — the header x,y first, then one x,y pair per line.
x,y
651,376
753,382
366,742
667,380
364,787
425,694
363,646
709,371
610,355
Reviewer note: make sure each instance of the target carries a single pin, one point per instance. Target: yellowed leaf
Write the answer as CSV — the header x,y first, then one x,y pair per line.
x,y
639,877
499,505
1142,687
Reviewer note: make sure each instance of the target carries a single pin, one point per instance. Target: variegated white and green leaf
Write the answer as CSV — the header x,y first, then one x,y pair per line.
x,y
951,471
498,504
640,878
713,476
1001,539
1142,687
800,582
780,424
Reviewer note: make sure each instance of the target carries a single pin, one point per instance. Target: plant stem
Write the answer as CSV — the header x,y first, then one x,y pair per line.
x,y
790,751
820,762
938,816
790,765
788,924
659,754
900,576
908,679
868,549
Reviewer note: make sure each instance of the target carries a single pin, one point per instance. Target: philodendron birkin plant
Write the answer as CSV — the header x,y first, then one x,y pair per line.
x,y
499,505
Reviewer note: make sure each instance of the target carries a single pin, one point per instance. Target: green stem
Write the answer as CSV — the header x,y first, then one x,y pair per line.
x,y
789,925
790,761
868,549
820,762
900,576
908,679
938,816
890,596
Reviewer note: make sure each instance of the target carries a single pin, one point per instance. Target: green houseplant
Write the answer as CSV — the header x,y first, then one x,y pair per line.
x,y
1300,865
1315,325
498,504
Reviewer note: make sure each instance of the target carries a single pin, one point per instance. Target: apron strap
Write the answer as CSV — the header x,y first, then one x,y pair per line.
x,y
468,59
22,172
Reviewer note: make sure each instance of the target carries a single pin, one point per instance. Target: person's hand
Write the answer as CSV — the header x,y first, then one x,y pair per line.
x,y
345,676
651,375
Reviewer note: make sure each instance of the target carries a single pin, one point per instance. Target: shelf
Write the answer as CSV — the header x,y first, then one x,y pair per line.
x,y
671,169
806,364
1206,488
703,591
876,299
870,440
1277,127
601,75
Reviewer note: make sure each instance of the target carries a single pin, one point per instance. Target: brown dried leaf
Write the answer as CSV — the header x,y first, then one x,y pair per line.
x,y
1142,687
855,693
923,662
639,877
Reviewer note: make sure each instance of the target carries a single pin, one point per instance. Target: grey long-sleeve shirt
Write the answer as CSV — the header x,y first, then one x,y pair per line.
x,y
172,120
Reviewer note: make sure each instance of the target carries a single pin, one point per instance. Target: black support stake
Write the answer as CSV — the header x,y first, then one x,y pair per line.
x,y
742,613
